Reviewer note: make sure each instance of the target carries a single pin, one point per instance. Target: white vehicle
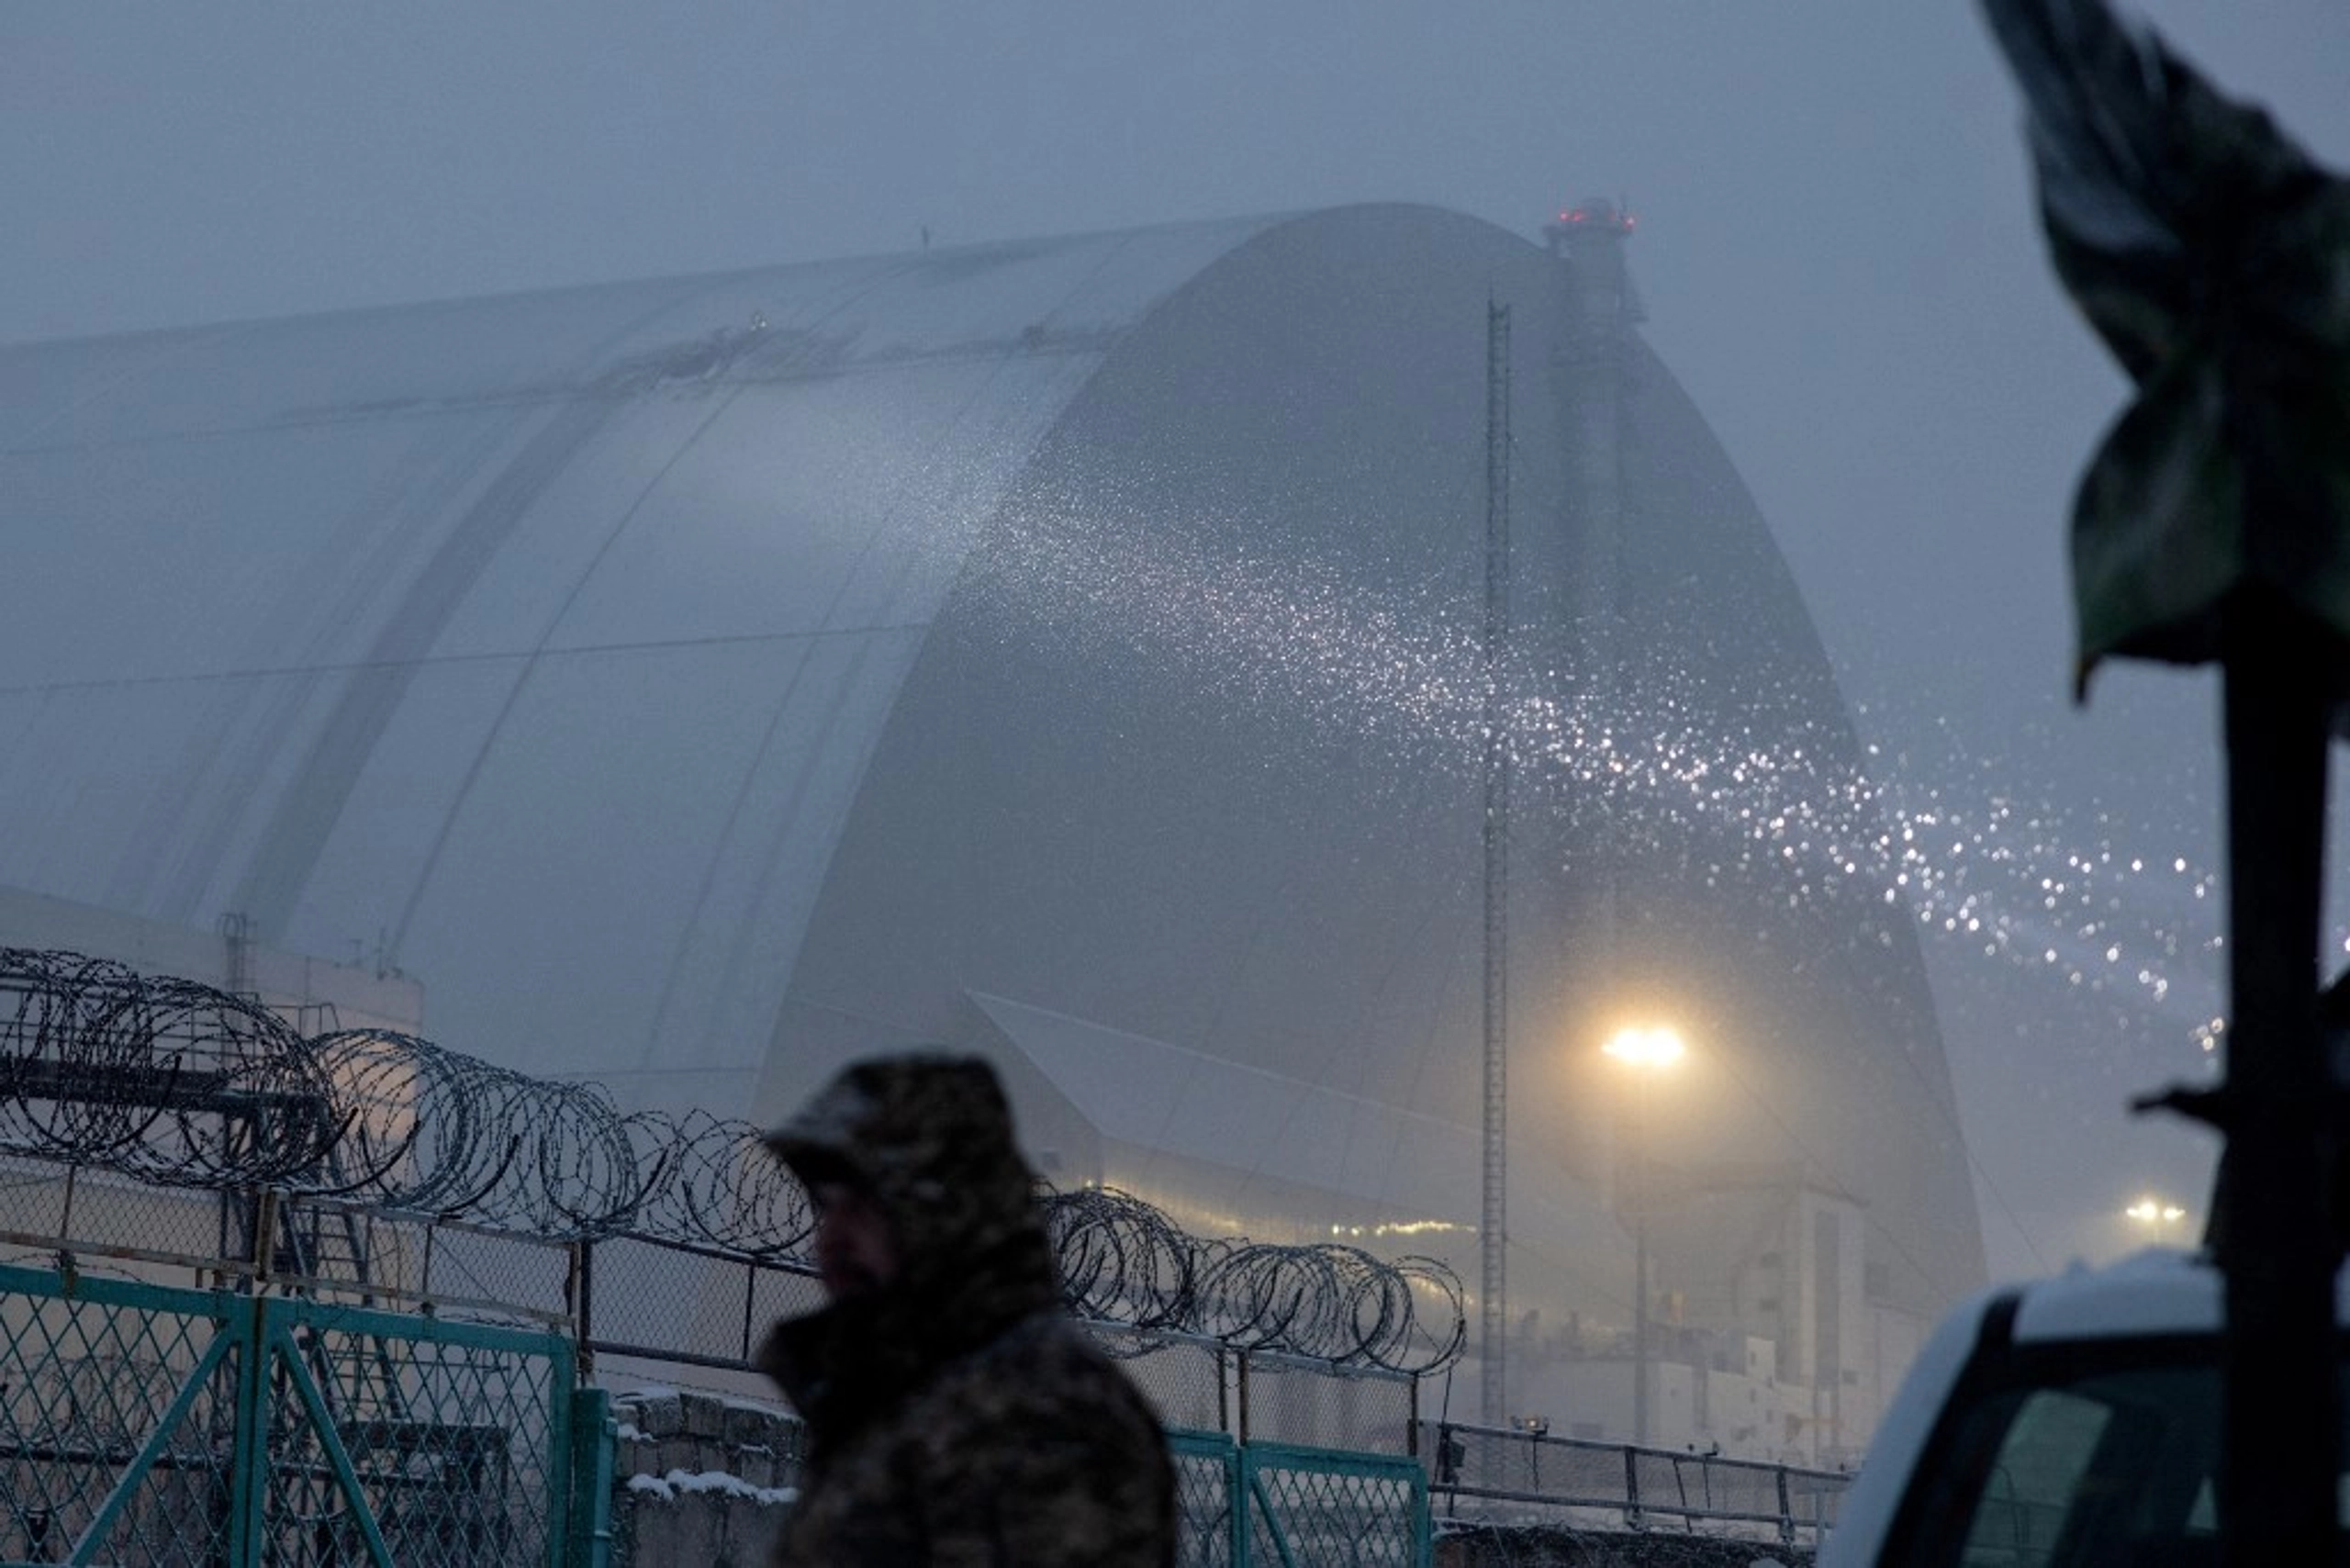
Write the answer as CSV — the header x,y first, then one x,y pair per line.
x,y
2070,1421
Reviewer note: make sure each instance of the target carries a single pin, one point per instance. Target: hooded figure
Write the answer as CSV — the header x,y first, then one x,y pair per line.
x,y
955,1413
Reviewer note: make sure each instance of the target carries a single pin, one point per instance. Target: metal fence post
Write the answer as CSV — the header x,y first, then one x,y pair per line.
x,y
595,1436
583,1284
1631,1486
1236,1481
265,1237
750,1308
249,1470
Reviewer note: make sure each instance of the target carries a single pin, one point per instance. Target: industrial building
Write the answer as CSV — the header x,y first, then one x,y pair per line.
x,y
1246,678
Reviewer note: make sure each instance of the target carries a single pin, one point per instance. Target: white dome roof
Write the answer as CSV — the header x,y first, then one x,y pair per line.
x,y
696,683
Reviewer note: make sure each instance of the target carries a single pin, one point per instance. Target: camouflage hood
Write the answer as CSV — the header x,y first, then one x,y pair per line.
x,y
931,1136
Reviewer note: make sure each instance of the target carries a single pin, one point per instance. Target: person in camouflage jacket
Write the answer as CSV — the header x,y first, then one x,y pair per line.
x,y
956,1413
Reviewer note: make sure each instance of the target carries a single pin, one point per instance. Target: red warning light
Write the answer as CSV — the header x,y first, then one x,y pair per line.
x,y
1605,215
1598,214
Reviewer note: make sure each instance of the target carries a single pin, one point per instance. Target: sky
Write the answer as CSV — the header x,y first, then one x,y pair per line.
x,y
1837,251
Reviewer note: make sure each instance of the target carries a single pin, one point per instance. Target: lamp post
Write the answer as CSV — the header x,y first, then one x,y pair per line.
x,y
2157,1217
1647,1051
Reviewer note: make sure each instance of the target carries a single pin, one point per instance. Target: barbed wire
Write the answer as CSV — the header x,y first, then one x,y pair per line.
x,y
164,1079
179,1084
718,1186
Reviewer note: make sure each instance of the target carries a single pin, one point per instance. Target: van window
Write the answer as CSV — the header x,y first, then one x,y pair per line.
x,y
2109,1466
2036,1479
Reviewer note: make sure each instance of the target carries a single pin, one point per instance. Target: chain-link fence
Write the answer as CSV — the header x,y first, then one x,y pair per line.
x,y
170,1135
1244,1504
147,1425
1317,1506
689,1307
105,1222
44,1204
1207,1494
83,1386
673,1304
644,1299
1204,1385
1292,1399
295,1245
659,1302
1188,1380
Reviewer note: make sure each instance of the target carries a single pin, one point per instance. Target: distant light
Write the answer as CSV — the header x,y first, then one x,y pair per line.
x,y
2154,1210
1657,1045
1416,1227
1600,215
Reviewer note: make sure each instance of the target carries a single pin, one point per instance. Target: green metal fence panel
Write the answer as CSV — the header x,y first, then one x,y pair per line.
x,y
437,1444
1262,1505
1318,1507
334,1525
143,1425
1213,1529
118,1419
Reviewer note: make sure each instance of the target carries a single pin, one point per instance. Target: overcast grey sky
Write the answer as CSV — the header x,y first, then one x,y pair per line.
x,y
1837,249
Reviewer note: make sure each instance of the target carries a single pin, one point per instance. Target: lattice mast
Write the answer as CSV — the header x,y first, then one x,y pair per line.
x,y
1493,1234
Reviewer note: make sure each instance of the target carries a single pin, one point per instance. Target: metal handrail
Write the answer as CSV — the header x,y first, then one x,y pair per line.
x,y
1787,1484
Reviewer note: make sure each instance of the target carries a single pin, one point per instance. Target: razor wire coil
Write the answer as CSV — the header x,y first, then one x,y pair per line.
x,y
179,1084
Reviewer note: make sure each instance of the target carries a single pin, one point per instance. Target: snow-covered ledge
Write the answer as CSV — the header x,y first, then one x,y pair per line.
x,y
699,1479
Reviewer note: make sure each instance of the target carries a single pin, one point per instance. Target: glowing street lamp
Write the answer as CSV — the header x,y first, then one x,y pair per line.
x,y
2158,1216
1647,1050
1651,1046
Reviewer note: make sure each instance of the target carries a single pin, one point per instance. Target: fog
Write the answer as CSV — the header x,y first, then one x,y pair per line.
x,y
1836,252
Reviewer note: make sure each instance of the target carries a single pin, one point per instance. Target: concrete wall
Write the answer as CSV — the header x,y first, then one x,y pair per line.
x,y
700,1481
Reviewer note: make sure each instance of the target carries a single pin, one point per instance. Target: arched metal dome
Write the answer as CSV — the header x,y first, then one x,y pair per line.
x,y
1067,649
